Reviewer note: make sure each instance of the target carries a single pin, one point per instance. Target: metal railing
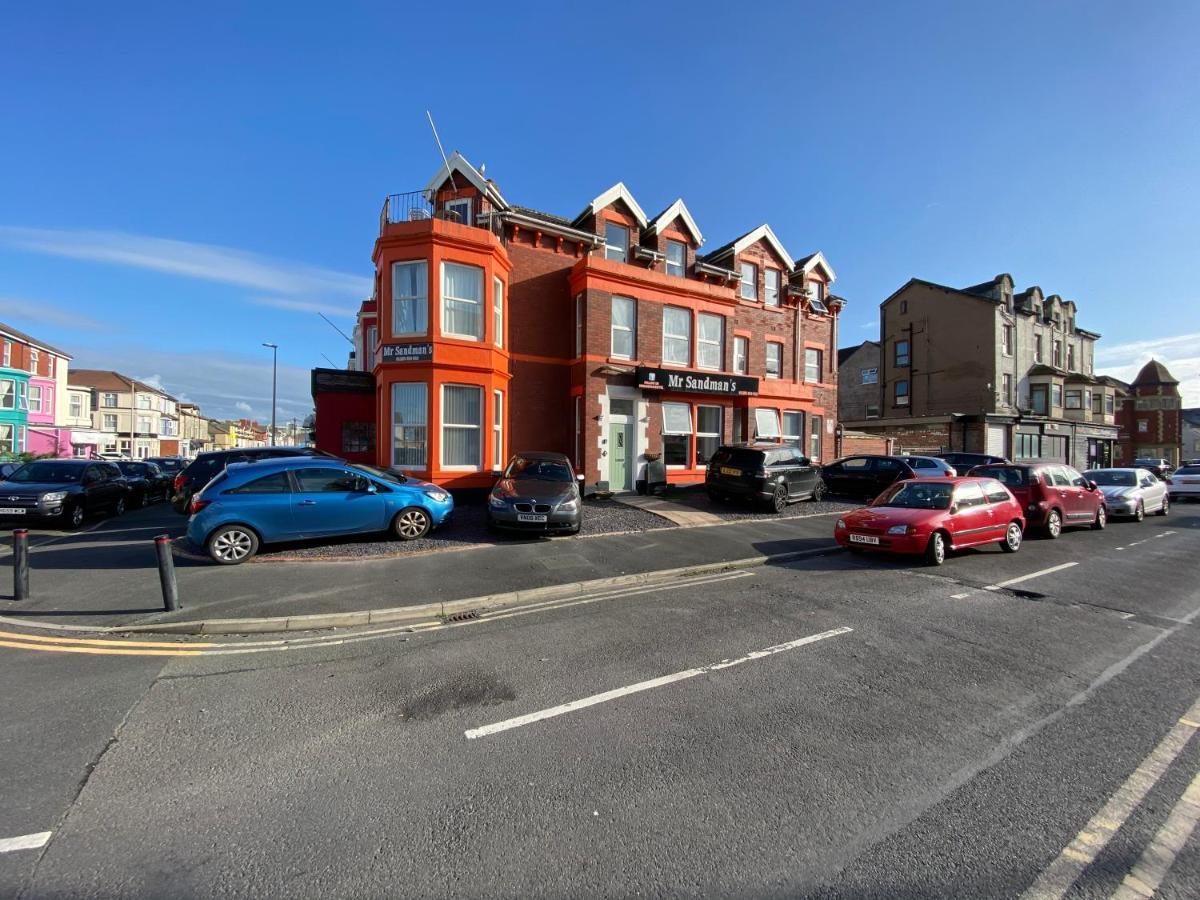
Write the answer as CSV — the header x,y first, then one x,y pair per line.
x,y
415,206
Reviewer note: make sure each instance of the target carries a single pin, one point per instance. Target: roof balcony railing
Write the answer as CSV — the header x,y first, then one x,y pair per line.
x,y
416,206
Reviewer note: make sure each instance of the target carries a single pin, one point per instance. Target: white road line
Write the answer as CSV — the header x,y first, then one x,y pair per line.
x,y
1056,879
1003,584
24,842
1156,860
604,697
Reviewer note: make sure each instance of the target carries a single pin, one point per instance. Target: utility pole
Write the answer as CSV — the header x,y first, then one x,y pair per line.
x,y
274,372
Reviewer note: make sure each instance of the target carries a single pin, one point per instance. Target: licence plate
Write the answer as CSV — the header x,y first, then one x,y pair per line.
x,y
863,539
725,470
8,511
530,517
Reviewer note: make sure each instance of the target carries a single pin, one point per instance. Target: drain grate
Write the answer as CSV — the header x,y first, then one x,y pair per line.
x,y
461,617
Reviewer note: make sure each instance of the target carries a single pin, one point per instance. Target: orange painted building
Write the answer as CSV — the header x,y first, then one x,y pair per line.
x,y
494,328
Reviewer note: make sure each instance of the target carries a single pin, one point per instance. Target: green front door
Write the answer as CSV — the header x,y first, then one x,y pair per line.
x,y
620,470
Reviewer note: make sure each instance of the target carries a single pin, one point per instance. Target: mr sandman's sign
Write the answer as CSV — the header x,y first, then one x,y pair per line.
x,y
695,382
422,352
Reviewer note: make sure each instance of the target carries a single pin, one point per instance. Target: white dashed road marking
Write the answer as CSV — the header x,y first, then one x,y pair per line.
x,y
1003,584
24,842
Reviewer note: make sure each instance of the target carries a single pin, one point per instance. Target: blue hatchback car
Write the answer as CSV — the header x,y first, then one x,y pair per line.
x,y
294,498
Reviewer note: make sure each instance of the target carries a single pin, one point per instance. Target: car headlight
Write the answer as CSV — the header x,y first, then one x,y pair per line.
x,y
497,502
899,529
569,505
841,523
437,496
54,497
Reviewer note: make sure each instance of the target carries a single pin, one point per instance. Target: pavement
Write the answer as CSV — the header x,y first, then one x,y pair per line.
x,y
839,726
107,577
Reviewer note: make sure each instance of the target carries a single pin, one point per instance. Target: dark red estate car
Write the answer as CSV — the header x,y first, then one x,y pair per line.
x,y
931,516
1053,496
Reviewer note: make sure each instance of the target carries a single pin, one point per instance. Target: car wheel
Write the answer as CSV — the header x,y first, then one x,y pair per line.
x,y
74,515
1012,538
411,524
1101,519
1166,506
119,507
1140,512
230,545
1053,524
935,551
779,498
818,491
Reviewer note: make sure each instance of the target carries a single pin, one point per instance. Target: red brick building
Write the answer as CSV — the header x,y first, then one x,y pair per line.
x,y
1150,417
610,337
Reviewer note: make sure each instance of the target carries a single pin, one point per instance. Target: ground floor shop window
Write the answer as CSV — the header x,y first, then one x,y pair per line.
x,y
410,419
793,425
462,422
1028,446
708,433
766,424
677,432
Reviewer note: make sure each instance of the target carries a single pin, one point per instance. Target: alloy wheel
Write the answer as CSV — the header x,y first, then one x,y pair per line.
x,y
779,498
1166,506
1054,523
818,491
1101,519
1012,538
412,524
75,516
119,507
232,545
1140,512
936,552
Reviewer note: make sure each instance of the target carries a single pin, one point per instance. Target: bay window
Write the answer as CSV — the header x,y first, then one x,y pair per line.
x,y
462,422
741,354
410,419
498,312
410,298
7,439
8,394
1056,395
766,424
676,432
624,327
708,433
497,430
462,301
1074,399
677,336
710,343
774,359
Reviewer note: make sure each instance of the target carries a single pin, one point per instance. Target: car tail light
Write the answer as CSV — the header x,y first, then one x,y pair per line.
x,y
197,505
179,482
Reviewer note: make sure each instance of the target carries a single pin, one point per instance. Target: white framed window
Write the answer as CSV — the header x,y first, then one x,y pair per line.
x,y
793,425
76,407
50,364
410,298
814,445
8,439
677,336
741,355
35,398
410,417
145,425
462,301
812,366
748,287
459,210
766,423
462,424
710,342
498,312
579,325
676,258
143,401
6,360
616,242
22,395
1008,340
109,400
497,430
34,356
8,394
677,433
110,422
624,327
771,287
774,359
870,376
708,432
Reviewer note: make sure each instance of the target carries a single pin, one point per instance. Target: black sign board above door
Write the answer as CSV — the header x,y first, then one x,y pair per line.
x,y
695,382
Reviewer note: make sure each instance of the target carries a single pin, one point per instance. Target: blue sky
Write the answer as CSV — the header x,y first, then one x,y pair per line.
x,y
182,182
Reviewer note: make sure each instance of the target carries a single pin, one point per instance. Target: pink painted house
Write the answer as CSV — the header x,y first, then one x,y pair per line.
x,y
45,392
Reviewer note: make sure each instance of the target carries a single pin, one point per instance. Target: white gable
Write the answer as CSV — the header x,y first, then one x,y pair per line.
x,y
677,210
617,192
758,234
818,259
457,164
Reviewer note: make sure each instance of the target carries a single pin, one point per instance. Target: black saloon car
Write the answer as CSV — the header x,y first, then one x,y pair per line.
x,y
538,492
966,461
771,474
201,470
865,476
147,482
63,489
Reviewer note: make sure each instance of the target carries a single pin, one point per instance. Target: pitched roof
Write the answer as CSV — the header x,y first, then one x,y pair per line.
x,y
617,192
677,210
107,380
846,352
538,214
813,260
1113,382
762,232
22,336
458,163
1154,372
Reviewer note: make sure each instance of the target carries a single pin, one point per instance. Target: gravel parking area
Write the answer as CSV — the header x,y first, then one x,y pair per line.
x,y
468,529
734,511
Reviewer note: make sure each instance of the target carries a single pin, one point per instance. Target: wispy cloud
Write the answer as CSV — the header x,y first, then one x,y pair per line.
x,y
209,262
1180,353
243,406
1164,347
17,312
306,306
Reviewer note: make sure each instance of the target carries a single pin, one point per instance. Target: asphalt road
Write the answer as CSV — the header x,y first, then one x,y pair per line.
x,y
844,727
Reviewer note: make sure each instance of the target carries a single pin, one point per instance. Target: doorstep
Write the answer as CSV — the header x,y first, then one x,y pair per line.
x,y
680,513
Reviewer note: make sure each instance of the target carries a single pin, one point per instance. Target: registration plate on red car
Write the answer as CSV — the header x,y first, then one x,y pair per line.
x,y
863,539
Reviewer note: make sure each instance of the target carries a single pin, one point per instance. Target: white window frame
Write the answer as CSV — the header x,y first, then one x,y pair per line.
x,y
8,438
497,430
8,397
143,401
34,356
820,365
75,406
678,269
667,360
630,329
778,373
771,293
498,311
751,269
707,434
1006,341
35,398
23,395
687,454
447,298
423,466
621,251
702,342
415,299
104,420
797,436
145,424
449,206
444,425
870,375
104,404
7,359
774,413
741,360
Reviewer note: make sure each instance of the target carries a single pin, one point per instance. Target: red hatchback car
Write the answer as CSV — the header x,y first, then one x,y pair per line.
x,y
1053,496
931,516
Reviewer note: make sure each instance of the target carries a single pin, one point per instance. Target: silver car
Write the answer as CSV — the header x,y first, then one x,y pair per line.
x,y
930,466
1131,492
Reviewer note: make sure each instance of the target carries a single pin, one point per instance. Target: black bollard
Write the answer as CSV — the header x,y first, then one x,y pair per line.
x,y
166,573
20,564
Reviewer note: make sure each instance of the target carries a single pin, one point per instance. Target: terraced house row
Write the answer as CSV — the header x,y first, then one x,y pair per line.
x,y
611,336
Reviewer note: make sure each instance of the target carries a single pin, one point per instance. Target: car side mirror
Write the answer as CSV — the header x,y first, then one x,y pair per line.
x,y
953,508
1092,485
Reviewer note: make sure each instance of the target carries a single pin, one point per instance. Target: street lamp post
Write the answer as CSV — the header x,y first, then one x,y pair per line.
x,y
274,371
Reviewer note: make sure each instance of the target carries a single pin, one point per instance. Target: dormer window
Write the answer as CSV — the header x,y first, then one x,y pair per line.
x,y
459,210
749,285
771,287
676,258
616,242
816,300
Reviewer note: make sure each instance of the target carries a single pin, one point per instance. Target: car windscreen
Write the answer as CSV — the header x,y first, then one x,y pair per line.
x,y
1006,475
47,473
1112,477
131,468
383,474
538,470
918,495
740,457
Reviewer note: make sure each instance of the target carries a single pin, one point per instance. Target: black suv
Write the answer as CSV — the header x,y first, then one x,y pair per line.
x,y
201,470
769,473
65,489
147,482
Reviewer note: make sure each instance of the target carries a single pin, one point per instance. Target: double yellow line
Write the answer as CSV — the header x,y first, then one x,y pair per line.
x,y
100,646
